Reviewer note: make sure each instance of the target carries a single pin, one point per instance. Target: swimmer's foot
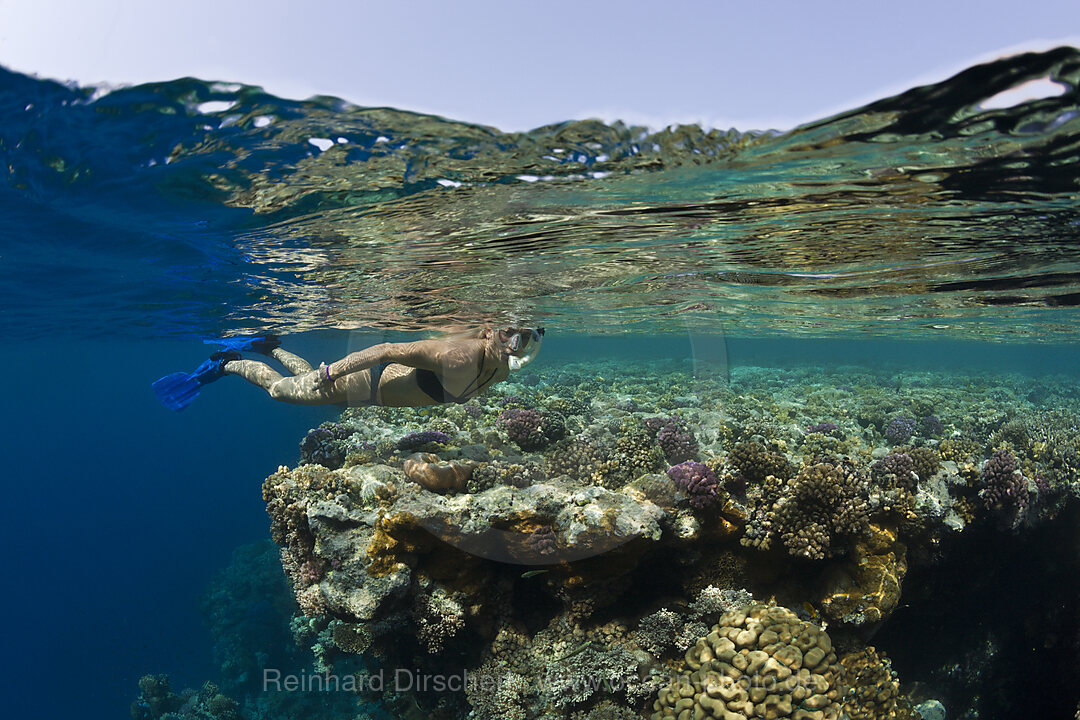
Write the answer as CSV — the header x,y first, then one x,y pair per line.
x,y
262,344
177,390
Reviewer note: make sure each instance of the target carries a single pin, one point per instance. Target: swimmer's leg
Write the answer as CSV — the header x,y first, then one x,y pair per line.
x,y
293,363
269,345
254,372
303,389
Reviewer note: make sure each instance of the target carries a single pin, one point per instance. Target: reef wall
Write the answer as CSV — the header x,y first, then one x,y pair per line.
x,y
663,545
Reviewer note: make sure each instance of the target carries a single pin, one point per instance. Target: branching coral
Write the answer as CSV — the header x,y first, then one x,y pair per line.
x,y
157,702
532,429
755,462
874,690
498,472
899,430
542,540
674,437
1004,488
698,482
580,458
439,617
634,455
824,503
568,406
419,440
895,470
324,445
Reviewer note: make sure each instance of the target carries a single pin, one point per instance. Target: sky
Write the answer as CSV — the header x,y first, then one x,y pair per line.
x,y
517,65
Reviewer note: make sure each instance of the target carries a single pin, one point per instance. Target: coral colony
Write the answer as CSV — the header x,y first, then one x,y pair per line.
x,y
635,548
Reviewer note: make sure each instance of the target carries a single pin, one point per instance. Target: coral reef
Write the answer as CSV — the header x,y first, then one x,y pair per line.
x,y
866,590
579,458
823,428
874,691
592,554
499,472
635,454
323,445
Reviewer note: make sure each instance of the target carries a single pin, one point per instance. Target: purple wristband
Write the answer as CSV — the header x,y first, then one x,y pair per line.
x,y
328,378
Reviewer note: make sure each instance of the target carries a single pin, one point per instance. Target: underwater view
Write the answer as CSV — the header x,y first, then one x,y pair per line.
x,y
342,413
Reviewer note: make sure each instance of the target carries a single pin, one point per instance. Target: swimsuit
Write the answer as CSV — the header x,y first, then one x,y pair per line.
x,y
376,376
430,384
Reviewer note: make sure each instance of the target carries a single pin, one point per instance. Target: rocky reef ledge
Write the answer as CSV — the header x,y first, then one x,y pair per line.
x,y
662,545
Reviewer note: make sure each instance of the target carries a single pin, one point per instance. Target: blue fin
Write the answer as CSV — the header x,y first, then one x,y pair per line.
x,y
176,390
261,344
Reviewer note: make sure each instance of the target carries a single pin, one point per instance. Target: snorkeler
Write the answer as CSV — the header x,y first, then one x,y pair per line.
x,y
411,374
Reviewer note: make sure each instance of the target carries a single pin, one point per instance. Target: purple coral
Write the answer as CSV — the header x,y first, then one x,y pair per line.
x,y
674,438
1004,488
931,426
899,430
312,571
1042,485
696,480
542,540
895,470
532,429
824,428
323,445
416,440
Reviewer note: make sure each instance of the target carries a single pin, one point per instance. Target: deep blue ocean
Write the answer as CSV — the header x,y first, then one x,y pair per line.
x,y
917,233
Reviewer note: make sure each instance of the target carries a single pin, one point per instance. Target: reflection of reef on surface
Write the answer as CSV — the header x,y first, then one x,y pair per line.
x,y
577,568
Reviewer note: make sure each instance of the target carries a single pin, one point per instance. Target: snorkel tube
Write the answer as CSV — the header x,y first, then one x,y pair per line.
x,y
523,346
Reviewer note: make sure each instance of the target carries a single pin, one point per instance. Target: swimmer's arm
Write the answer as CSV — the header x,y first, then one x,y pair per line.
x,y
422,354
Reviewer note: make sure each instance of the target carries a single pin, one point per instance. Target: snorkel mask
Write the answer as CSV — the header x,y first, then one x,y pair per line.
x,y
523,345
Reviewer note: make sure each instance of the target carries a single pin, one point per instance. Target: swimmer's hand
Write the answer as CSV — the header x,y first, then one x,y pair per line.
x,y
323,379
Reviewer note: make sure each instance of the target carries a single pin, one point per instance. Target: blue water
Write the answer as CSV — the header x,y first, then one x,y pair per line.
x,y
137,222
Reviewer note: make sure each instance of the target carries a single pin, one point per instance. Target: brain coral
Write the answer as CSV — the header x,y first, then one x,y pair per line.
x,y
758,662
